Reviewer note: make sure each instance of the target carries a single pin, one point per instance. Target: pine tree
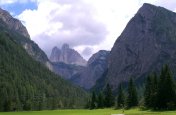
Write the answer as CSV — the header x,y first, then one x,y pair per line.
x,y
100,101
120,97
87,106
147,92
154,88
109,99
150,93
132,95
166,90
93,101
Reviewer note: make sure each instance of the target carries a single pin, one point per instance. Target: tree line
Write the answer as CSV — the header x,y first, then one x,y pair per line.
x,y
159,94
106,98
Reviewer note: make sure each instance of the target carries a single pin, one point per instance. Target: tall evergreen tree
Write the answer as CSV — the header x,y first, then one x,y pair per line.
x,y
109,99
100,100
93,101
154,88
132,99
166,90
147,92
120,97
150,93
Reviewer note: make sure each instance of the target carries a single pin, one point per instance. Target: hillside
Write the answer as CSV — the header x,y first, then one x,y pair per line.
x,y
28,85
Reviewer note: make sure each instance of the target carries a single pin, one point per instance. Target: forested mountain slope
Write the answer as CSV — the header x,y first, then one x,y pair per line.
x,y
26,84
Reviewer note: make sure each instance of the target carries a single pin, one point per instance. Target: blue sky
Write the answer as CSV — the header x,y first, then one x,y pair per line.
x,y
86,25
16,8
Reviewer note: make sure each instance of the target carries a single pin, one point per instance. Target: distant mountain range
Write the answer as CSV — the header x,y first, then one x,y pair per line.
x,y
71,66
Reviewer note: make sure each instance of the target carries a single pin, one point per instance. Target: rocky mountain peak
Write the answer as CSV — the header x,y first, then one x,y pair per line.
x,y
65,46
100,55
20,35
147,11
146,44
13,24
67,55
94,70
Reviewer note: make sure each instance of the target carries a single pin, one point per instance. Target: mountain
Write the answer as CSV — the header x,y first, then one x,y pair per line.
x,y
67,71
67,56
83,76
146,44
8,23
26,84
96,66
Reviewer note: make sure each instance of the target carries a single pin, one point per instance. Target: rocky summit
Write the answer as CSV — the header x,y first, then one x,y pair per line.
x,y
20,35
146,44
12,23
67,56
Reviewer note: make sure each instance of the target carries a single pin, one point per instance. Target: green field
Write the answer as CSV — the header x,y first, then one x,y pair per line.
x,y
89,112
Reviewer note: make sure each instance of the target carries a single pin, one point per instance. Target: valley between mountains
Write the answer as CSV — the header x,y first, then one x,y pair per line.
x,y
140,66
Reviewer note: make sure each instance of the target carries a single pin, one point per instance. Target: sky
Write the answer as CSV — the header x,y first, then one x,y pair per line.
x,y
86,25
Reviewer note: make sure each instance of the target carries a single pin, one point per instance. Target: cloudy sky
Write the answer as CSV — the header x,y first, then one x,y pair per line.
x,y
86,25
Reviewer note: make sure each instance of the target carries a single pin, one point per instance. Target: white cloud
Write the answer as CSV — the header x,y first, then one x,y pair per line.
x,y
87,25
7,1
169,4
55,23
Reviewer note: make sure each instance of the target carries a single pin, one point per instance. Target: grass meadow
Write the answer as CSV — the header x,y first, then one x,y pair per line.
x,y
89,112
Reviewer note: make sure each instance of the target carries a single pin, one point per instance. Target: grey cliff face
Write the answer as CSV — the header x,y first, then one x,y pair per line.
x,y
96,66
67,56
146,44
67,71
13,23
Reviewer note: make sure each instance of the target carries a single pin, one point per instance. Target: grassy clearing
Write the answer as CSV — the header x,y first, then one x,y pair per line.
x,y
90,112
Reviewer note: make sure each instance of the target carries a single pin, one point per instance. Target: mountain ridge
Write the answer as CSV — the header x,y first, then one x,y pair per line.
x,y
146,44
13,23
96,66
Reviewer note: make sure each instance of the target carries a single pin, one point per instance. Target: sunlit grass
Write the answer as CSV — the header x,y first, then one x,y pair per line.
x,y
90,112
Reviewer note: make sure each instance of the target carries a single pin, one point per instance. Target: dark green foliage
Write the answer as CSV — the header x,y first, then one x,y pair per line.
x,y
93,103
96,101
154,89
150,94
160,94
100,100
28,85
120,97
147,93
109,99
132,99
166,90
